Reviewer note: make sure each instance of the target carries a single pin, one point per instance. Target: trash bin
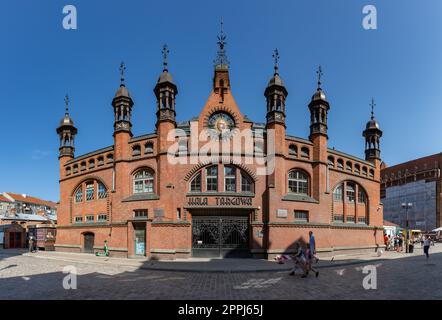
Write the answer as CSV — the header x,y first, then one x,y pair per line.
x,y
410,248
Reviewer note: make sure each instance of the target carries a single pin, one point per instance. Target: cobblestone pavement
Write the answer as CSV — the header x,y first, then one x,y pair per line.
x,y
29,277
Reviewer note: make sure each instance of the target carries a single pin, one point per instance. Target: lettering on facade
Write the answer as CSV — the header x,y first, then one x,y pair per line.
x,y
220,201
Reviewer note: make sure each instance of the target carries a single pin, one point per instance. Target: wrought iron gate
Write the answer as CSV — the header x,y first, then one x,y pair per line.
x,y
223,236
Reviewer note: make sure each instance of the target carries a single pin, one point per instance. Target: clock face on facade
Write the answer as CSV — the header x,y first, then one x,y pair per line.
x,y
221,125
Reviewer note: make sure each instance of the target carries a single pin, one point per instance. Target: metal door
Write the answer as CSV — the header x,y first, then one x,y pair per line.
x,y
221,236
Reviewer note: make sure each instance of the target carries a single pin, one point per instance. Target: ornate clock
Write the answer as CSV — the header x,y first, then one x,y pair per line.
x,y
221,125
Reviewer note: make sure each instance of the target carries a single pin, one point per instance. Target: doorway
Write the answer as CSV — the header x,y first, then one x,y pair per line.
x,y
225,236
88,244
140,239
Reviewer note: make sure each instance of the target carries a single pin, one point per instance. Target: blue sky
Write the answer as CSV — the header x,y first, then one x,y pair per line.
x,y
399,64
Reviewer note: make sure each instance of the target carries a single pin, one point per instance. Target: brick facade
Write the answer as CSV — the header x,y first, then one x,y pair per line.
x,y
269,205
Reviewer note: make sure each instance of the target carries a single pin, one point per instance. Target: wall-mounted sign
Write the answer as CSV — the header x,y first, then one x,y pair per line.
x,y
158,212
219,201
281,213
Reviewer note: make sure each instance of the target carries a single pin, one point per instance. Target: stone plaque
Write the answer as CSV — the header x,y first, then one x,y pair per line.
x,y
158,212
281,213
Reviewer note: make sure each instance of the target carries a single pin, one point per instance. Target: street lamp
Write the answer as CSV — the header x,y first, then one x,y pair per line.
x,y
406,206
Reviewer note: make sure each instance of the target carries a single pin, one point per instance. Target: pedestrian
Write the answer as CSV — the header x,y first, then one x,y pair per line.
x,y
401,242
310,258
300,261
427,246
312,245
31,243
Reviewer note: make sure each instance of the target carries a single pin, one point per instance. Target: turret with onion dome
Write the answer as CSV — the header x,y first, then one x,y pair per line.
x,y
372,134
122,104
276,94
165,91
319,107
67,131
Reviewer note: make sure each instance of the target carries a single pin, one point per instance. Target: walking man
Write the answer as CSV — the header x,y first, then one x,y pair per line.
x,y
427,246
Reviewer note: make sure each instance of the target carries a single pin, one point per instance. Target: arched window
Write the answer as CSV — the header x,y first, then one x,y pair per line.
x,y
340,164
110,158
298,182
83,166
68,171
102,192
79,194
100,161
364,171
362,197
229,179
148,148
350,192
293,150
136,150
91,164
90,191
357,168
75,168
305,152
195,184
246,183
371,173
143,181
331,162
338,193
348,166
212,178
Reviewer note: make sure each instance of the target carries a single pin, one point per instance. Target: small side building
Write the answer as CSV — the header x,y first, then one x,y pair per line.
x,y
13,236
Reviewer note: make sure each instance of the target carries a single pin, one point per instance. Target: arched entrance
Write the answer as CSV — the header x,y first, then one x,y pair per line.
x,y
88,242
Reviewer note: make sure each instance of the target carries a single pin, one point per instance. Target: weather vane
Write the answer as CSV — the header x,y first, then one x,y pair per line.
x,y
165,52
221,58
320,74
66,103
276,59
122,70
372,104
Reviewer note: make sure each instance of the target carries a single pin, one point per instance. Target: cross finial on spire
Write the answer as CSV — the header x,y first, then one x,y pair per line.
x,y
320,74
122,70
221,58
66,103
372,104
165,52
276,59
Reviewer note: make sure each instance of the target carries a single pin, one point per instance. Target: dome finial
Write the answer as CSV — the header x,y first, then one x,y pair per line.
x,y
165,52
276,59
320,74
221,57
122,70
66,103
372,104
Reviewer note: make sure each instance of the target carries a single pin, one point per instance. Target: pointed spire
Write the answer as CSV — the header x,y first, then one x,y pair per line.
x,y
276,59
122,70
372,104
66,104
221,57
165,52
320,74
